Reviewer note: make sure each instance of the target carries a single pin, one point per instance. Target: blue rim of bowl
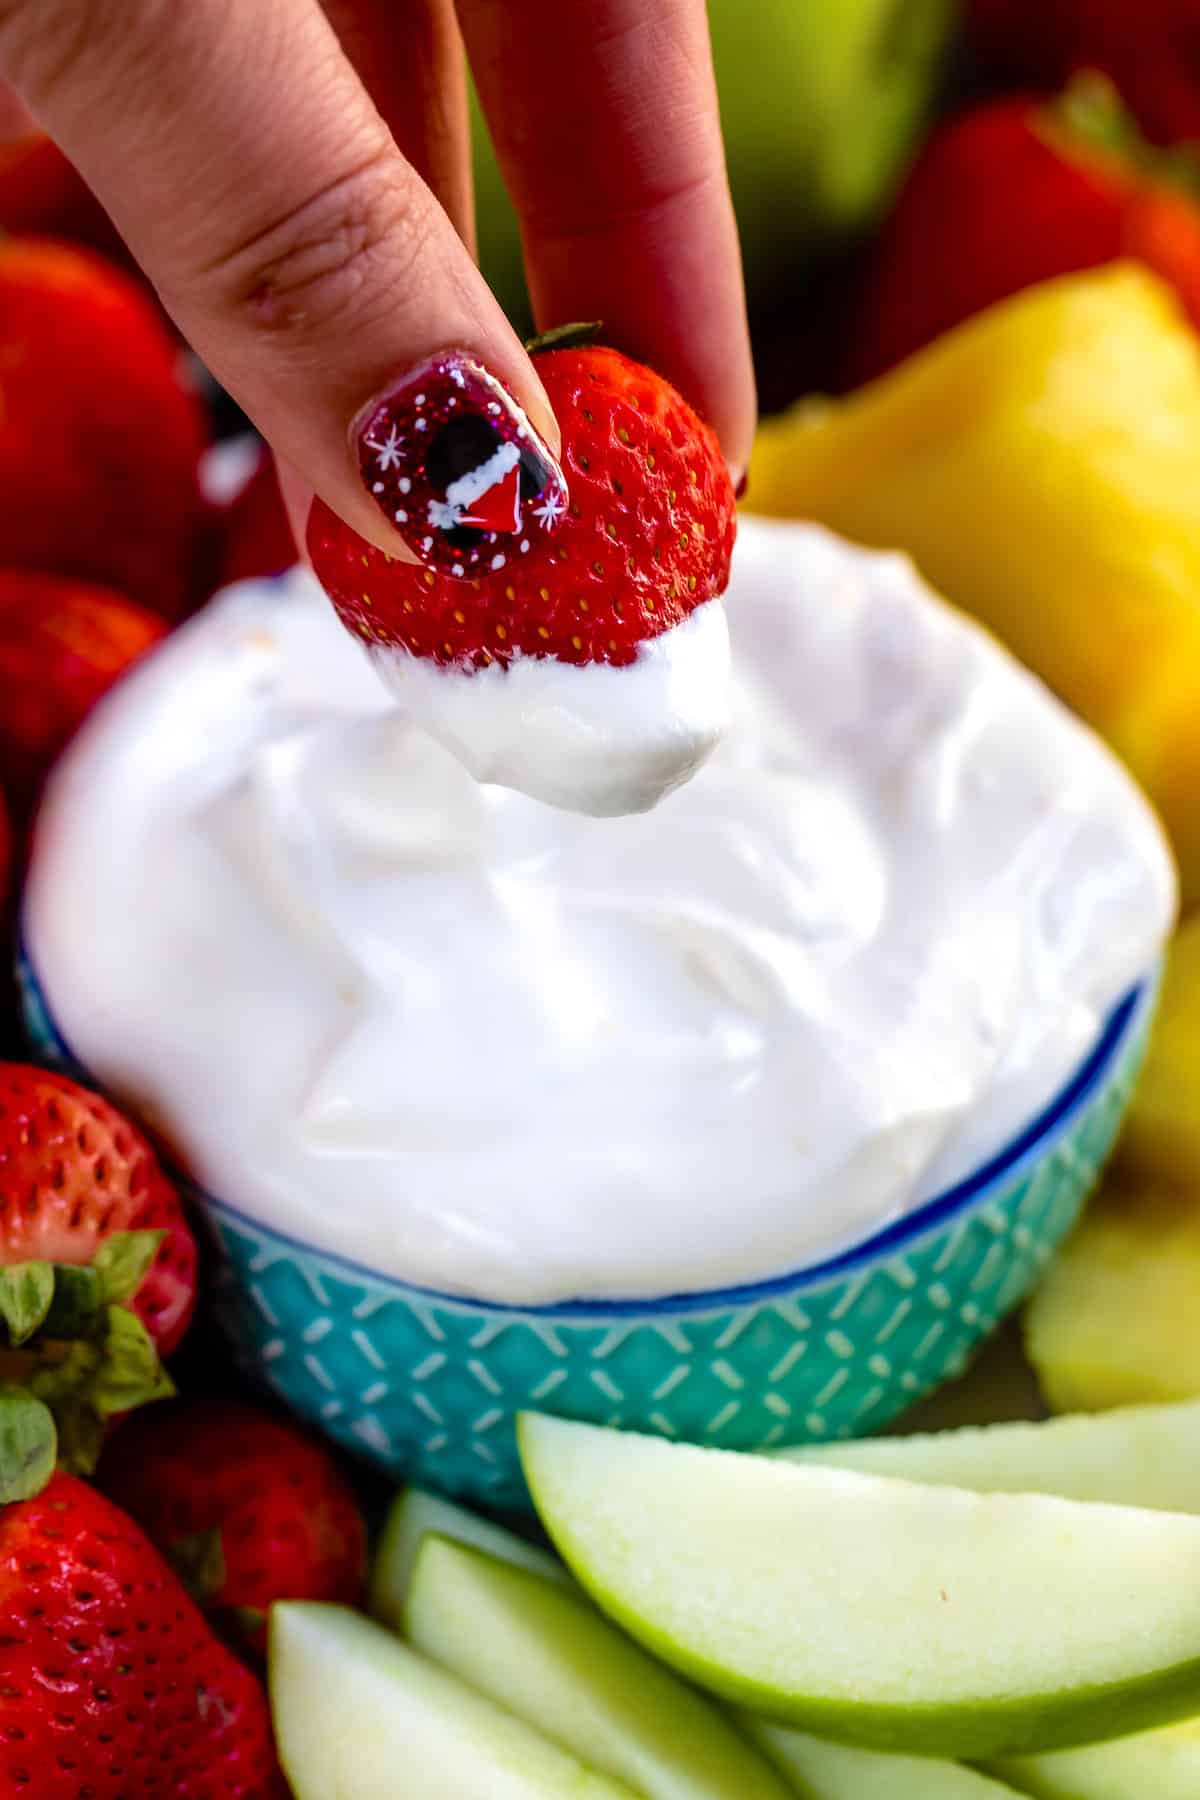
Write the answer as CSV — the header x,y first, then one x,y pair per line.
x,y
1023,1149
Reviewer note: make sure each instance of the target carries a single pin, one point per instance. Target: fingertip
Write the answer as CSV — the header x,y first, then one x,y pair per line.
x,y
298,497
297,501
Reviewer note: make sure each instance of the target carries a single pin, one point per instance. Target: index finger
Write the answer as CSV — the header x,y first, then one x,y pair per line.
x,y
604,115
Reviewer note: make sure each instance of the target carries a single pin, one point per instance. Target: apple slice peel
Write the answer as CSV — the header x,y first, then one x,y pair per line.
x,y
357,1713
879,1611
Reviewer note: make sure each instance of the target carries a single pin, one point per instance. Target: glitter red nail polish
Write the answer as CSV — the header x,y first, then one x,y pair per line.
x,y
456,468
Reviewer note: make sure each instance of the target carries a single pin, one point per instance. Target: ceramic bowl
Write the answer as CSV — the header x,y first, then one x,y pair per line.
x,y
428,1386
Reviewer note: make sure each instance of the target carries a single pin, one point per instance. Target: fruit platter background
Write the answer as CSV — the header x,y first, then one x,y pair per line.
x,y
989,216
972,246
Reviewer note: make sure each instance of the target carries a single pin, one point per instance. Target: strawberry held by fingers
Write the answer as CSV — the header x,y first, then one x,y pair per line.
x,y
247,1507
112,1685
566,638
97,1264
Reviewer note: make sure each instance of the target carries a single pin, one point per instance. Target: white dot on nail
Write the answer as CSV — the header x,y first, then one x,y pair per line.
x,y
457,569
524,545
422,424
377,488
453,400
420,400
401,517
427,543
498,562
493,406
404,484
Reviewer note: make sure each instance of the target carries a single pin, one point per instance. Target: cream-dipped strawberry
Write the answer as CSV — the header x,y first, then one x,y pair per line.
x,y
564,635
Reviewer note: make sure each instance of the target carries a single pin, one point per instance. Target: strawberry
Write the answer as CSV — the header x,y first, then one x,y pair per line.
x,y
44,195
62,645
647,537
112,1685
256,536
1018,191
245,1506
1150,50
100,436
97,1264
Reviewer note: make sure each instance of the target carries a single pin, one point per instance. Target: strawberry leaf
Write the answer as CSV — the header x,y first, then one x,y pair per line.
x,y
89,1381
123,1261
130,1373
243,1628
199,1562
26,1290
80,1438
63,1371
28,1445
76,1304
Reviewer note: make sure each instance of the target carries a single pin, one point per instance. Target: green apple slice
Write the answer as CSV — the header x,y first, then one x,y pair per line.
x,y
827,1771
875,1611
413,1514
360,1716
544,1653
1154,1765
1137,1456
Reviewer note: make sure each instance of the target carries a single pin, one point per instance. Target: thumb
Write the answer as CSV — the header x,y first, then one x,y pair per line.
x,y
305,260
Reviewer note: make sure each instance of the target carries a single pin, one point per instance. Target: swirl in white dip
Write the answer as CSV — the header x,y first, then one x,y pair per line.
x,y
593,738
502,1049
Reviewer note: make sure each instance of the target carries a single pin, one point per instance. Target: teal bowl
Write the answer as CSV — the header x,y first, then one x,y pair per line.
x,y
428,1386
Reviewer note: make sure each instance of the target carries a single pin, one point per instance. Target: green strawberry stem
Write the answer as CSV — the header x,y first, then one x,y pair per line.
x,y
1094,117
566,337
75,1349
199,1562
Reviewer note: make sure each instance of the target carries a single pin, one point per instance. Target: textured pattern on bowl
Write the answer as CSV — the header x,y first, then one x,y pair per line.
x,y
428,1386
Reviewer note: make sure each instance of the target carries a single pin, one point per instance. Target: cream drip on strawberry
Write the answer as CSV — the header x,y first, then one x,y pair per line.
x,y
495,1047
561,631
593,739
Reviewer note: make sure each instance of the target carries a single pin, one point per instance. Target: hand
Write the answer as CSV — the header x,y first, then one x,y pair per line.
x,y
295,179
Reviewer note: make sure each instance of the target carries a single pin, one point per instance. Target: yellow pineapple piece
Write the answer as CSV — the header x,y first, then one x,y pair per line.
x,y
1162,1133
1117,1319
1041,463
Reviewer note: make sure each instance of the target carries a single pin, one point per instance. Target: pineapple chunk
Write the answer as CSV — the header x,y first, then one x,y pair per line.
x,y
1041,463
1162,1133
1117,1319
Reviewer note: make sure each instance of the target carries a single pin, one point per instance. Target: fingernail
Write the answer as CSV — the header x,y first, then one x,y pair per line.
x,y
457,469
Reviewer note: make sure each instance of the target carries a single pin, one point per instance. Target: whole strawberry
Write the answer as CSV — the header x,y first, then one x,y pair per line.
x,y
97,1264
62,645
1150,50
1019,191
245,1506
646,539
112,1685
44,195
100,436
